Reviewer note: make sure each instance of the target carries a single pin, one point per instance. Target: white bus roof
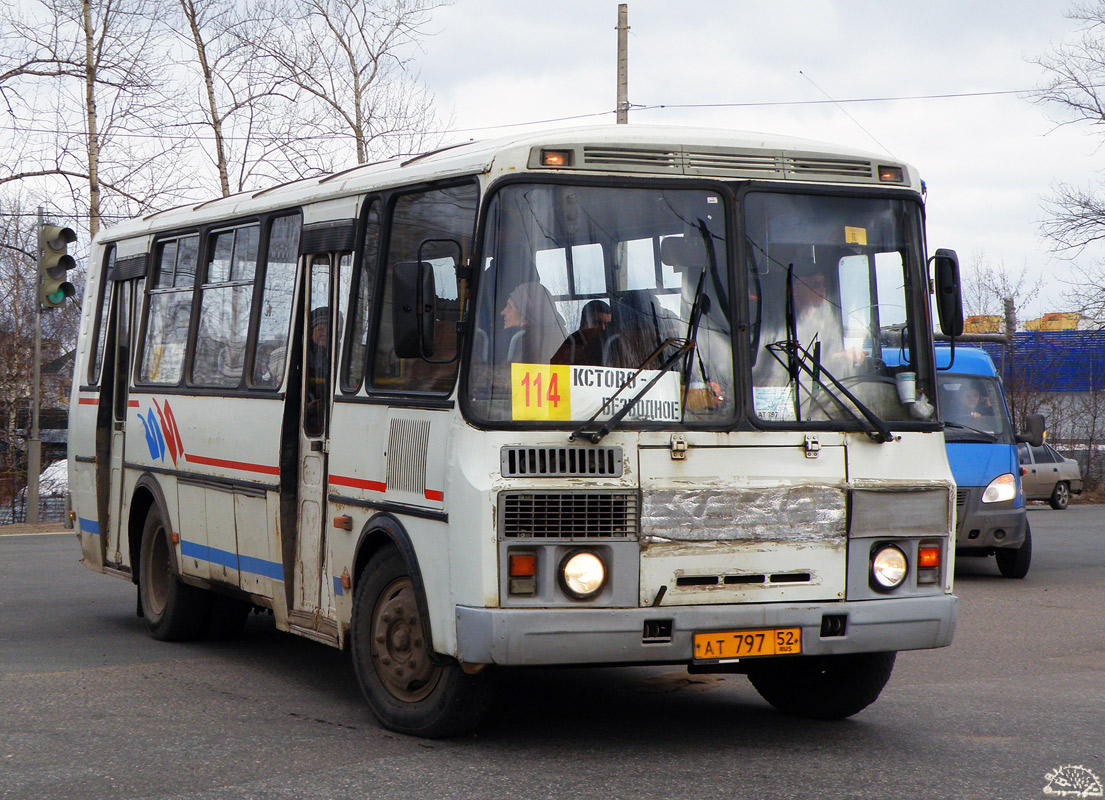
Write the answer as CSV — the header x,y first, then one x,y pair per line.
x,y
659,150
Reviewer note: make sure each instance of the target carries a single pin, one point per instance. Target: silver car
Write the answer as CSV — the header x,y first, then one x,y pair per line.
x,y
1046,475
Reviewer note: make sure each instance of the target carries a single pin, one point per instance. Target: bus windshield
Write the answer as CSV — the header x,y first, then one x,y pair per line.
x,y
592,299
829,293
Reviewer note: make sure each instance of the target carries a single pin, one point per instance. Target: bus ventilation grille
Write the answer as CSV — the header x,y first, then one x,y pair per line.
x,y
962,496
568,515
561,462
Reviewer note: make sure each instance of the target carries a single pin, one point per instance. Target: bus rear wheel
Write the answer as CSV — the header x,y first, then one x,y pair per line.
x,y
174,611
408,688
822,687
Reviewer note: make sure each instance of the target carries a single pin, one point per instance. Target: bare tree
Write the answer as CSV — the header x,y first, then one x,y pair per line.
x,y
240,105
84,88
349,62
986,285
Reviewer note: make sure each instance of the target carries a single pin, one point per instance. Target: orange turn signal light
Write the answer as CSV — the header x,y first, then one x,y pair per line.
x,y
523,565
891,174
928,556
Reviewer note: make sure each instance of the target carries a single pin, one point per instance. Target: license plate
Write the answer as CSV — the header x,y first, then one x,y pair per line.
x,y
723,645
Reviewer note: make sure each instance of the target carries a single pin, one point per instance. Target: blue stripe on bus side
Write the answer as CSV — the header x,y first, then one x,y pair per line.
x,y
89,526
224,558
338,590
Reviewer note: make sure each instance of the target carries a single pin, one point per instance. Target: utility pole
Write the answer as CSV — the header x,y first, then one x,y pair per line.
x,y
623,63
34,444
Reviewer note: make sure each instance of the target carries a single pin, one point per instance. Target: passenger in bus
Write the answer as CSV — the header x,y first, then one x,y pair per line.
x,y
318,370
533,324
584,347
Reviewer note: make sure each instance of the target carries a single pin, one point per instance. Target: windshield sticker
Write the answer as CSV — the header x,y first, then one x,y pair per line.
x,y
855,235
774,403
562,392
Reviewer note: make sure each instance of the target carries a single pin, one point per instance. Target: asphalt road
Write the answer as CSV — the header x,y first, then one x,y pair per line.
x,y
91,707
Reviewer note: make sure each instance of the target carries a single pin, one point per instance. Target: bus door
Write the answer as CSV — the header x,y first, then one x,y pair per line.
x,y
122,319
314,438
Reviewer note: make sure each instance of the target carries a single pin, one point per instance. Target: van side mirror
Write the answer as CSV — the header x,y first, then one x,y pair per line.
x,y
1034,430
413,309
949,294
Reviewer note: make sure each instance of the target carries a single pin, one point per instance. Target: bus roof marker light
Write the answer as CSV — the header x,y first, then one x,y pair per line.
x,y
556,158
890,174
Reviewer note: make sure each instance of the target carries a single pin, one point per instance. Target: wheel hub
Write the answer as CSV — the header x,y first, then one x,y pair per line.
x,y
399,650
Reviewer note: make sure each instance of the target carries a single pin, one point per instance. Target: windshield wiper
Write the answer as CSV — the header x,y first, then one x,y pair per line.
x,y
797,358
685,348
681,346
988,436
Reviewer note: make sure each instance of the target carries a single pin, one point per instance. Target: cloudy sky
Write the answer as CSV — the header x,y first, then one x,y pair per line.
x,y
987,160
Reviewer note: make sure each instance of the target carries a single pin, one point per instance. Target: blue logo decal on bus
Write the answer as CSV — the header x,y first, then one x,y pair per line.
x,y
154,438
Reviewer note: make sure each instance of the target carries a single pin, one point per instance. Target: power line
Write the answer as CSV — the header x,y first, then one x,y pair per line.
x,y
635,106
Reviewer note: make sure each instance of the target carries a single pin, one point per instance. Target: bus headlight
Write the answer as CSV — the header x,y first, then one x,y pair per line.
x,y
582,574
1003,487
888,567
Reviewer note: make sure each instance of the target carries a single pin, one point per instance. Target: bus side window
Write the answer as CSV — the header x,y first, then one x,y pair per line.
x,y
363,293
446,216
99,333
281,255
227,296
169,311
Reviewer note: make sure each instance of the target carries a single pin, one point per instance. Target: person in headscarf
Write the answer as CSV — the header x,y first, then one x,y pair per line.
x,y
533,324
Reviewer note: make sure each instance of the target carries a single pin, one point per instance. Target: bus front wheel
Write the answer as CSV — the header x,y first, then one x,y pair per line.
x,y
822,687
174,611
407,689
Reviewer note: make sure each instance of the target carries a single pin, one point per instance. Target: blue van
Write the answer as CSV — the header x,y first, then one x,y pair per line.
x,y
982,449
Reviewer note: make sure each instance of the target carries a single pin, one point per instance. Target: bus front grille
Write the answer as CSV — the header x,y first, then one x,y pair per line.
x,y
561,462
568,515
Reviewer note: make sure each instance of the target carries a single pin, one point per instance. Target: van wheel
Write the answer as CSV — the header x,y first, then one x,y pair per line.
x,y
406,689
174,611
1014,563
822,687
1060,496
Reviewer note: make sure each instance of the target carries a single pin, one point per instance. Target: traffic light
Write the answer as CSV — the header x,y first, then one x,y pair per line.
x,y
53,263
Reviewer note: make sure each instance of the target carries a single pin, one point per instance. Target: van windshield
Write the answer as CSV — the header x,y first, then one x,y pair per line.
x,y
973,404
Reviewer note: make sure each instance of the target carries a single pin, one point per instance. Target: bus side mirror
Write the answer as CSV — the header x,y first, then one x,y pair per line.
x,y
949,296
1034,430
413,309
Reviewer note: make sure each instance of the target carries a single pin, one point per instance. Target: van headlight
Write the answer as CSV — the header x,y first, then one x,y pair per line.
x,y
1003,487
888,567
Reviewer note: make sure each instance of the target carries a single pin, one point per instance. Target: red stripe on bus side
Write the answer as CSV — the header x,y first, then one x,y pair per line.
x,y
88,401
357,483
239,465
133,404
433,494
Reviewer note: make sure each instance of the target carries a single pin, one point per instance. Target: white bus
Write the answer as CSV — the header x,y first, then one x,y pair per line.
x,y
594,396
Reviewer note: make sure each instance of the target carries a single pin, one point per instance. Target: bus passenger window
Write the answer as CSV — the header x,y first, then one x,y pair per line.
x,y
169,311
99,333
225,306
276,303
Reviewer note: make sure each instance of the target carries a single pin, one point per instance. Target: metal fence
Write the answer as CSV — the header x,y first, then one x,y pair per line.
x,y
50,509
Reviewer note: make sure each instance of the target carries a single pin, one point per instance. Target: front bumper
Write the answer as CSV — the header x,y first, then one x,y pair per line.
x,y
980,526
532,637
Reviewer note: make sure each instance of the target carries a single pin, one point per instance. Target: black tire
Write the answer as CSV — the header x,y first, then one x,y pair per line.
x,y
227,617
1014,563
1060,496
174,611
406,690
822,687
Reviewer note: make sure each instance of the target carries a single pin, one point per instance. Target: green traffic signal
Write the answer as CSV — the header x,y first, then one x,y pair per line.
x,y
53,263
